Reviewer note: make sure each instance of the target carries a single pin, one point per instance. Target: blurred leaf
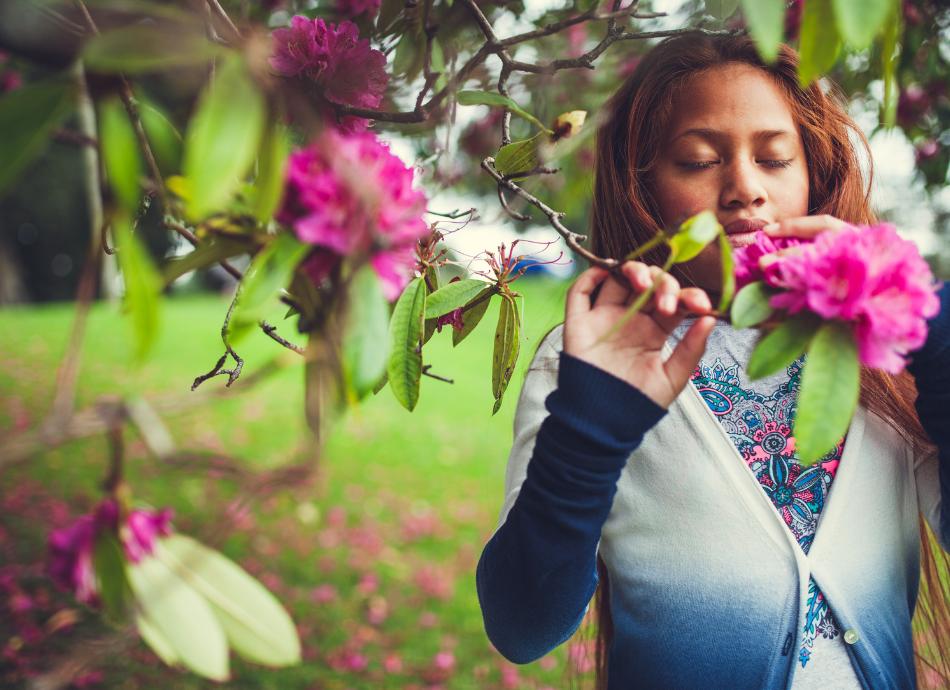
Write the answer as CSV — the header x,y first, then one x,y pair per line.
x,y
820,43
365,338
519,156
256,624
859,21
507,345
437,64
271,163
782,346
27,117
722,9
119,148
492,98
453,296
405,331
205,254
693,236
766,21
831,382
890,58
164,139
472,316
751,306
728,273
223,137
269,272
180,617
143,286
149,48
408,54
109,565
157,642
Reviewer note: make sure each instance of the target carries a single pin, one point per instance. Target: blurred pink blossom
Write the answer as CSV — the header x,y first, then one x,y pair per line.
x,y
392,663
368,584
350,195
747,269
434,582
580,655
324,594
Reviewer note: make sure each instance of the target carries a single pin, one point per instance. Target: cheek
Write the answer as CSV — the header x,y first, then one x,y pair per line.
x,y
790,196
679,200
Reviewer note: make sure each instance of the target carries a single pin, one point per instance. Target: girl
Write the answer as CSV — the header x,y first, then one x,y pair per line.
x,y
651,466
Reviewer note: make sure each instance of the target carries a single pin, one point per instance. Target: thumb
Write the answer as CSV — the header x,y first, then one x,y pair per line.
x,y
682,363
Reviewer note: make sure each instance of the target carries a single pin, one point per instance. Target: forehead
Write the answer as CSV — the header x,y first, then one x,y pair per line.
x,y
735,99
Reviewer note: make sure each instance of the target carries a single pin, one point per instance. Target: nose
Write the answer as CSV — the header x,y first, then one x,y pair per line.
x,y
742,186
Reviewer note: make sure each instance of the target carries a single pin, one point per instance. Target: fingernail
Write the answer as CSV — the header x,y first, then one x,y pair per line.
x,y
668,302
771,227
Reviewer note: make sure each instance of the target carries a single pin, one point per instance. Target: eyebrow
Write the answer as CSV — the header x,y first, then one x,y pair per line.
x,y
714,134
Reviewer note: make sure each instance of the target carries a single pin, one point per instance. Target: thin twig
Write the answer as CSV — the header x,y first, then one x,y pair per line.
x,y
426,372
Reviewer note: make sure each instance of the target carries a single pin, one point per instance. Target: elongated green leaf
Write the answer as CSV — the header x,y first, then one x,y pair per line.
x,y
890,58
693,236
109,565
437,64
453,296
472,316
722,9
365,340
492,98
408,59
149,48
165,140
205,254
143,286
271,269
222,138
751,306
766,21
156,641
253,620
519,156
820,43
859,21
782,346
120,153
180,617
271,162
507,345
405,333
27,116
831,382
728,273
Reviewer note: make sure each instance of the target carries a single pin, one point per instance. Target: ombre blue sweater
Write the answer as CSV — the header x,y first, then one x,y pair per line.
x,y
706,580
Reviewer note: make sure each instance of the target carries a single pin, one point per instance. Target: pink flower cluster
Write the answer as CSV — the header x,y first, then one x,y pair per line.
x,y
347,69
71,548
867,276
349,195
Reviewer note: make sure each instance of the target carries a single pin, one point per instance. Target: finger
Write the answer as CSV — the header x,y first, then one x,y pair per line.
x,y
689,300
767,259
667,291
616,290
682,363
578,296
804,226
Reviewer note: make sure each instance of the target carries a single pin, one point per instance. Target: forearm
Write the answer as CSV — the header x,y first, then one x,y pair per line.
x,y
538,572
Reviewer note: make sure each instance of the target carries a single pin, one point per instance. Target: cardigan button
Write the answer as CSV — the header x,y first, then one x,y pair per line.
x,y
851,636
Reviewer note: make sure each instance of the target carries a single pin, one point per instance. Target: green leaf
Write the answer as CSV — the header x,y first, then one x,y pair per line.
x,y
519,156
143,286
222,137
831,382
751,306
365,340
820,43
119,148
472,316
432,279
407,55
859,21
205,254
693,236
453,295
766,21
271,162
180,617
27,117
492,98
890,58
149,48
507,345
437,64
109,564
722,9
269,272
254,622
164,139
405,333
156,641
782,346
728,273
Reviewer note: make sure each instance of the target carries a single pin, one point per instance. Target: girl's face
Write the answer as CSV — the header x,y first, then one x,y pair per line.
x,y
733,147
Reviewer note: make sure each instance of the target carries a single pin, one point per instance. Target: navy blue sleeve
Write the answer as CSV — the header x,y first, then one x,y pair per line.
x,y
538,572
931,369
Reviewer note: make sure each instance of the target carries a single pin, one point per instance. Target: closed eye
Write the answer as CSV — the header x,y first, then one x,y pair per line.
x,y
777,163
697,165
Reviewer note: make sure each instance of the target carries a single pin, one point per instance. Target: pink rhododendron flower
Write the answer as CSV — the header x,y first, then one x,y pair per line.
x,y
349,195
353,8
453,319
71,548
746,258
347,69
868,277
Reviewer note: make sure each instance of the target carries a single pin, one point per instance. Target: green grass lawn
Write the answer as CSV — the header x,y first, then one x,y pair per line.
x,y
374,557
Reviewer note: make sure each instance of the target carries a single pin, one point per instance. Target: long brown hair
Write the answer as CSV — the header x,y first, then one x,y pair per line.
x,y
625,215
